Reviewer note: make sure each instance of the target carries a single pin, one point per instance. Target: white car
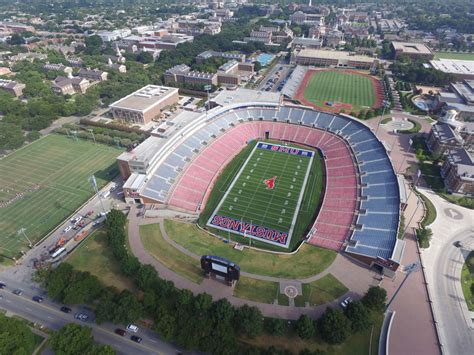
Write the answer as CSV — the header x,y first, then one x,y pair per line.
x,y
67,229
346,302
78,219
132,328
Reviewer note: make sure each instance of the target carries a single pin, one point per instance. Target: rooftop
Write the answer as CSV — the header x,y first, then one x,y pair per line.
x,y
454,66
319,53
145,98
228,97
411,48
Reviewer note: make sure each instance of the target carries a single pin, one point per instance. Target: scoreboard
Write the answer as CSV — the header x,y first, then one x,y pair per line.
x,y
217,266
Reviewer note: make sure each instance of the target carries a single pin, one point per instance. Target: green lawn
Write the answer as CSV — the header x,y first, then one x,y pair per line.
x,y
323,290
169,256
256,290
467,281
308,261
45,182
340,87
450,55
250,201
94,256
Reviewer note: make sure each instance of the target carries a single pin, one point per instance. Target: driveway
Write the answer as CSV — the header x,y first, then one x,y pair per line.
x,y
443,263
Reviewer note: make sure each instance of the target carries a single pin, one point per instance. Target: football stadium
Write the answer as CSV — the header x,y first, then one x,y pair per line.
x,y
252,170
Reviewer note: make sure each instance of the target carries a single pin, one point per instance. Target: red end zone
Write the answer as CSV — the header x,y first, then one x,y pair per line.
x,y
338,106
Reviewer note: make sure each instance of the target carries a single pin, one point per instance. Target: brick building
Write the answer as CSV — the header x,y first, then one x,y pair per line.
x,y
458,171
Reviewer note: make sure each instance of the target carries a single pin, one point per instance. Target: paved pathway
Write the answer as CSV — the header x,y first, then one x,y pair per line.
x,y
356,277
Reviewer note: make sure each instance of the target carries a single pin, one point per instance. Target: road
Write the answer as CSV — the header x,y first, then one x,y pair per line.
x,y
48,314
443,262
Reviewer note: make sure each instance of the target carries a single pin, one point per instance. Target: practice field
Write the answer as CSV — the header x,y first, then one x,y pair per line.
x,y
43,183
454,55
336,90
265,196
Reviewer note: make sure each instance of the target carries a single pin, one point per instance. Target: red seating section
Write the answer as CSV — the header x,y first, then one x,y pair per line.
x,y
332,226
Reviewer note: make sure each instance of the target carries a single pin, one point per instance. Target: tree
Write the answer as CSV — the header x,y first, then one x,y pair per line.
x,y
32,136
375,298
11,136
305,327
72,339
128,308
249,320
16,39
145,57
334,327
359,315
275,326
16,337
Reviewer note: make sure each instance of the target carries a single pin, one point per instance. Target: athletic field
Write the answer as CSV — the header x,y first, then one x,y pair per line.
x,y
266,195
336,90
43,183
454,55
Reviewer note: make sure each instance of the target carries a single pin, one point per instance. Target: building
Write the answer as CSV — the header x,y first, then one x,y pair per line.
x,y
259,36
458,171
202,57
144,105
301,18
413,50
443,137
15,27
337,59
12,87
70,85
306,42
109,36
183,74
93,74
58,67
460,98
461,69
231,73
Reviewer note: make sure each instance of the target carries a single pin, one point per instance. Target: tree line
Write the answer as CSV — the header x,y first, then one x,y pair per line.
x,y
193,321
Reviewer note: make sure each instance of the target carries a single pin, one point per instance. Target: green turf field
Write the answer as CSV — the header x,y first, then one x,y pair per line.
x,y
340,87
454,55
43,183
266,194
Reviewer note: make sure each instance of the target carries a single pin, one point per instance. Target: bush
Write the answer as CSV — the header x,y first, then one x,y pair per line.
x,y
32,136
424,236
275,326
359,315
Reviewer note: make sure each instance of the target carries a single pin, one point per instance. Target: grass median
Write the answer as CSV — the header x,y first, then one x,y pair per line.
x,y
256,290
168,255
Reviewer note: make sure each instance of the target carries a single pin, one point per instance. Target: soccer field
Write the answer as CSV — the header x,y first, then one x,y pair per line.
x,y
345,90
43,183
266,195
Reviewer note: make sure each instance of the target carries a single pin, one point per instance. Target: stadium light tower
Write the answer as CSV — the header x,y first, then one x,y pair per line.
x,y
93,182
385,104
22,231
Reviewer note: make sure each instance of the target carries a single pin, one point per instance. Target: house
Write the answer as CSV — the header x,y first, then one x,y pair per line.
x,y
12,87
93,74
70,85
58,67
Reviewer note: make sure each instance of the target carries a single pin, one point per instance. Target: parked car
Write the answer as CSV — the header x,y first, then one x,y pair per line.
x,y
113,188
132,328
346,302
18,292
65,309
38,299
81,316
67,229
2,285
120,332
136,339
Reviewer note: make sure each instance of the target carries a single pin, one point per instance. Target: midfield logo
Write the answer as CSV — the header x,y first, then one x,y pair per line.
x,y
270,183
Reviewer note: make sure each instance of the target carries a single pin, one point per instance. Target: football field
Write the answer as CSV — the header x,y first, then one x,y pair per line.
x,y
43,183
265,197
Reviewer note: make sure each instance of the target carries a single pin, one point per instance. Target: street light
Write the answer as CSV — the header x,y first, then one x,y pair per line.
x,y
22,231
93,182
92,132
385,104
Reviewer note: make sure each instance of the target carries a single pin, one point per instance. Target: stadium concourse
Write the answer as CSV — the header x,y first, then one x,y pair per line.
x,y
360,212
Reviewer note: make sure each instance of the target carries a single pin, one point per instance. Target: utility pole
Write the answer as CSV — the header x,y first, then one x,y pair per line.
x,y
22,231
93,182
409,269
